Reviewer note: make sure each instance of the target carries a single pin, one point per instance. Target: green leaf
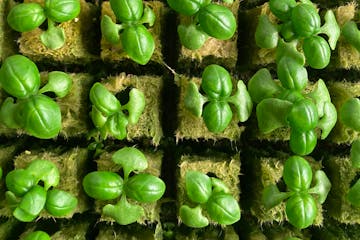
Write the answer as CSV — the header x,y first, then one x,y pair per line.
x,y
262,86
11,200
198,186
353,195
291,74
355,154
123,212
144,188
350,114
290,95
193,100
103,185
242,102
218,186
19,181
282,8
217,116
58,82
130,159
8,112
46,171
104,100
287,31
60,203
271,196
191,36
216,82
186,7
301,210
53,38
297,174
328,121
37,235
110,30
266,34
148,17
223,208
351,34
303,115
272,114
62,10
193,217
317,52
305,19
135,106
302,143
127,10
138,43
19,76
331,29
322,186
217,21
98,117
25,17
320,95
289,49
116,125
40,116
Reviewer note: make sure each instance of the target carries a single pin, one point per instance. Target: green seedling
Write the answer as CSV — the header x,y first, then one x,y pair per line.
x,y
299,22
29,192
141,187
109,116
208,20
210,195
26,17
351,34
28,108
301,198
214,107
134,37
37,235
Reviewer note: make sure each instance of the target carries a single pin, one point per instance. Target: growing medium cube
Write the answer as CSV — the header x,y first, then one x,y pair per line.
x,y
209,233
192,127
222,52
115,53
7,38
80,45
149,125
132,232
9,228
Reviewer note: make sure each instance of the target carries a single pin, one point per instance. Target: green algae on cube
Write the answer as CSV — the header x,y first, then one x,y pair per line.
x,y
192,127
80,44
149,124
115,53
7,37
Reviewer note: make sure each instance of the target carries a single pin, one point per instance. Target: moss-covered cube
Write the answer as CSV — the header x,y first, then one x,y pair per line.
x,y
219,165
152,210
192,127
9,228
80,44
132,232
342,176
72,164
116,53
222,52
149,124
7,37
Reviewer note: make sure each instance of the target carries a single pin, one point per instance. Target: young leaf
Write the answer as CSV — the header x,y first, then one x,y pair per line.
x,y
291,74
127,10
19,181
123,212
320,95
271,196
303,115
25,17
331,29
287,31
191,36
110,30
186,7
282,8
116,125
8,112
98,117
355,154
305,19
135,106
60,203
130,159
353,195
350,114
272,114
297,174
11,200
218,186
104,100
58,82
351,34
261,86
103,185
301,210
193,100
148,17
223,208
289,49
217,116
266,34
328,120
322,186
290,95
53,38
45,171
242,102
302,143
62,10
216,82
198,186
193,217
317,52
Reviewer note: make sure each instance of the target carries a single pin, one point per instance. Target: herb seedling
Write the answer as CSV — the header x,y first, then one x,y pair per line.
x,y
134,37
37,235
27,197
26,17
141,187
211,195
208,20
31,110
215,106
351,33
300,23
301,203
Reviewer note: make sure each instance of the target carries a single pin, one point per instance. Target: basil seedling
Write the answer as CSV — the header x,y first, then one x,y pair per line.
x,y
210,195
141,187
301,206
109,116
215,106
134,37
28,198
26,17
37,114
208,20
